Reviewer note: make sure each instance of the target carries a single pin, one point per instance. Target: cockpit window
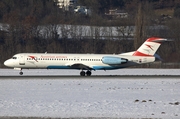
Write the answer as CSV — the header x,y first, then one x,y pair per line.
x,y
14,57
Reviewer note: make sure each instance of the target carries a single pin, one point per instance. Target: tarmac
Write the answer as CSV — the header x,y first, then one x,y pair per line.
x,y
87,77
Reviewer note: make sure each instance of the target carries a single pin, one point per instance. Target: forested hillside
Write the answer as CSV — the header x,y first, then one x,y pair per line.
x,y
34,26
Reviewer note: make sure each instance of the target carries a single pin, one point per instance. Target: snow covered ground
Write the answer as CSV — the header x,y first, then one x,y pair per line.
x,y
108,97
127,71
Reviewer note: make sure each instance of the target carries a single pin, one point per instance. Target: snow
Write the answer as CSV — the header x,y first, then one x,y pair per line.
x,y
127,71
113,97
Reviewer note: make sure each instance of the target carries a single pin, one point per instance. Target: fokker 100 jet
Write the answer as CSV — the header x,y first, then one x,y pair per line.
x,y
86,62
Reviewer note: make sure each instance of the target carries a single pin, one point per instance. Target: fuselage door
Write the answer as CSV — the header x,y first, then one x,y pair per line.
x,y
21,60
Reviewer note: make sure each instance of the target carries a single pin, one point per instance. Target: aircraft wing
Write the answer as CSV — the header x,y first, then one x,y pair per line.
x,y
79,66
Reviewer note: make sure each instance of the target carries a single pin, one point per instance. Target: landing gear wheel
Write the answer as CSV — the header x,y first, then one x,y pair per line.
x,y
82,73
21,73
88,73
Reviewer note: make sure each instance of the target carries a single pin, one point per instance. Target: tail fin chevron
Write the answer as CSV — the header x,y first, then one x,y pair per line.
x,y
149,47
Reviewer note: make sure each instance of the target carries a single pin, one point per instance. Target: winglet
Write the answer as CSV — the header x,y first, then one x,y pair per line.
x,y
149,47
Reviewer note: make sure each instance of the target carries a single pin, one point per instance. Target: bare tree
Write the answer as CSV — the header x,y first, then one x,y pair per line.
x,y
174,29
142,22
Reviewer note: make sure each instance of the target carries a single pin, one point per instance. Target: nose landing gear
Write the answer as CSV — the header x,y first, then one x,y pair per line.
x,y
21,73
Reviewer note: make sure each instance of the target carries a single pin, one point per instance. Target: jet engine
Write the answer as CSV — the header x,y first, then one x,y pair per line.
x,y
113,60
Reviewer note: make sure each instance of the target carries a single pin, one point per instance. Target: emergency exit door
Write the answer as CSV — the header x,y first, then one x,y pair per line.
x,y
21,60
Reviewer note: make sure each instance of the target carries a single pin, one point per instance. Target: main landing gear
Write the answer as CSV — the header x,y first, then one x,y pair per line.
x,y
87,73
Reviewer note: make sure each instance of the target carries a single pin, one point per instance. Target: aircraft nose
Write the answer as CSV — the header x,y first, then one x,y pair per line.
x,y
8,63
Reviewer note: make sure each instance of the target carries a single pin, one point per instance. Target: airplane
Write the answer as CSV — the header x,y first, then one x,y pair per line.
x,y
87,62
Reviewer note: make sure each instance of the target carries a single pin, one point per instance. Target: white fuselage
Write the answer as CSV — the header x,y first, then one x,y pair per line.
x,y
70,61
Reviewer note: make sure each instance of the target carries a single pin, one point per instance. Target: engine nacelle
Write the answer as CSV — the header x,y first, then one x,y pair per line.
x,y
113,60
